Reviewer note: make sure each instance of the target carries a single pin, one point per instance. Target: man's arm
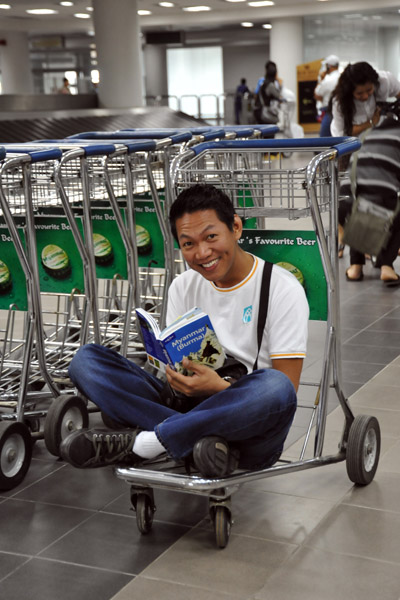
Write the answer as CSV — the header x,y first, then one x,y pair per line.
x,y
291,367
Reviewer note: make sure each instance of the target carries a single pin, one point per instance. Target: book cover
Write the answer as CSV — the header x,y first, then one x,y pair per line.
x,y
191,336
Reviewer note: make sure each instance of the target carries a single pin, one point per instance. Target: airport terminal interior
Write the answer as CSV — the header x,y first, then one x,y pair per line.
x,y
307,534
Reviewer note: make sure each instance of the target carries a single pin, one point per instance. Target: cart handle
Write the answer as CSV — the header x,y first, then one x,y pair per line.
x,y
35,153
2,152
131,145
176,136
88,148
342,145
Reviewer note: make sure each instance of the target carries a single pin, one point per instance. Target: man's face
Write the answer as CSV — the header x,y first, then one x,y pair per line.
x,y
209,247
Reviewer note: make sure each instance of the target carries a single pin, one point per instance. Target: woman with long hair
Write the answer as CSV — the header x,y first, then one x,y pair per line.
x,y
355,110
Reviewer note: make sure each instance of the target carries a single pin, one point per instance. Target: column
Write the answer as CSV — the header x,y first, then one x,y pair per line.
x,y
16,75
286,49
119,60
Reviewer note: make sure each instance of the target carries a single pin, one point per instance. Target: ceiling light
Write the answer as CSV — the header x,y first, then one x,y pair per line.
x,y
247,24
66,3
166,4
196,8
267,26
144,13
235,0
5,6
42,11
82,16
261,3
377,17
89,8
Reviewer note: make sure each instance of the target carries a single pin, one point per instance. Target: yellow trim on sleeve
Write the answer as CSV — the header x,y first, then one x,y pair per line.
x,y
289,355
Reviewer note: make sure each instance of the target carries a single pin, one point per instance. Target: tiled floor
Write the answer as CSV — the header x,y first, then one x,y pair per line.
x,y
67,533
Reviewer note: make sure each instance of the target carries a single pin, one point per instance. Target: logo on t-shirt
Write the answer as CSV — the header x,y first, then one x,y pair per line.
x,y
247,314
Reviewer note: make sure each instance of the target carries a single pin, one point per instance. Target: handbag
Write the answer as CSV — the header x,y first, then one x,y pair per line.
x,y
369,225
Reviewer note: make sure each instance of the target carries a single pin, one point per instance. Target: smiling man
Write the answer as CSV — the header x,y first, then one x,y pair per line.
x,y
221,422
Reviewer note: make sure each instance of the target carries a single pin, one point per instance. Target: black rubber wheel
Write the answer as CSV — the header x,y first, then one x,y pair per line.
x,y
222,526
144,513
15,453
363,449
66,414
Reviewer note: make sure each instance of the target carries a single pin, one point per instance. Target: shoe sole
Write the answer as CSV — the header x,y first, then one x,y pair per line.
x,y
213,457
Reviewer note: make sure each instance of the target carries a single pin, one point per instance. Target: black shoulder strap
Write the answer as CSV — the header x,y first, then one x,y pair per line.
x,y
263,308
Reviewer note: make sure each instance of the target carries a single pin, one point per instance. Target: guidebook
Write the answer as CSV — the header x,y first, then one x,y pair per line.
x,y
191,335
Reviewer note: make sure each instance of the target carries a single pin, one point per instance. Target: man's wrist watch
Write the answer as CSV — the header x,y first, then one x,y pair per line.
x,y
230,380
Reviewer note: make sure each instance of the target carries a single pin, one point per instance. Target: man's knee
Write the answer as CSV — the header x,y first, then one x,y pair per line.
x,y
83,357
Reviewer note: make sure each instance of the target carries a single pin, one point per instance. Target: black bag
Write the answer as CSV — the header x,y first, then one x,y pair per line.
x,y
369,226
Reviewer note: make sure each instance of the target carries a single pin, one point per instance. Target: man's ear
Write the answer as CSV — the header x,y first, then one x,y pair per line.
x,y
237,226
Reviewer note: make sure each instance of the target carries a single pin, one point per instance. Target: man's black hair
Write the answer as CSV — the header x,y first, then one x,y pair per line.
x,y
202,197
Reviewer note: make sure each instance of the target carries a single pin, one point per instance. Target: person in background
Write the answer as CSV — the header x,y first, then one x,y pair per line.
x,y
241,90
65,89
354,112
324,89
268,97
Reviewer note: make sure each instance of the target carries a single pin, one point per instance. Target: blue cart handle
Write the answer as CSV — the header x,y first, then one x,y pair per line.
x,y
343,145
35,154
89,148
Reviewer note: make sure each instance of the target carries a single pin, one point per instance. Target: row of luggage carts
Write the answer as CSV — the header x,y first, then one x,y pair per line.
x,y
84,239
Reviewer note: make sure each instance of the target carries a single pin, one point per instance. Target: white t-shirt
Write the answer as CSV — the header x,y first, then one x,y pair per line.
x,y
327,85
389,86
234,313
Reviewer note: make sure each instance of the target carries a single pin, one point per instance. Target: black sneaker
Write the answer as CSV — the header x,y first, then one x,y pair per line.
x,y
213,457
91,448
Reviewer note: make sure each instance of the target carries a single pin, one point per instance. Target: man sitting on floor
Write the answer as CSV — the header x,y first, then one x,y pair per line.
x,y
226,423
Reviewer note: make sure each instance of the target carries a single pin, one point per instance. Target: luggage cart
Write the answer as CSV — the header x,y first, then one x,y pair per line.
x,y
292,193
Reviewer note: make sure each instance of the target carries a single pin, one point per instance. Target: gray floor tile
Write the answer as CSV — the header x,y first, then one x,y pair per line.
x,y
388,339
82,488
376,394
113,542
314,575
276,517
47,580
368,354
10,562
359,531
382,493
154,589
28,527
240,569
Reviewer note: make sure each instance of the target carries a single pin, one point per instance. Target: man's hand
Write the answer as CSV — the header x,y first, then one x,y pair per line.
x,y
203,382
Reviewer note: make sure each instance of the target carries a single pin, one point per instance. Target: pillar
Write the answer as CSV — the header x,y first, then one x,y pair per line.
x,y
119,59
16,74
286,49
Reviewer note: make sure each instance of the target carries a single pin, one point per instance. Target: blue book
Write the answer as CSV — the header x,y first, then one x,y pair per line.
x,y
191,335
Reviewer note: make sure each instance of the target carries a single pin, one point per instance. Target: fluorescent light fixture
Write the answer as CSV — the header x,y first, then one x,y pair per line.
x,y
42,11
196,8
5,6
166,4
144,13
66,3
235,0
267,26
247,24
261,3
89,8
82,16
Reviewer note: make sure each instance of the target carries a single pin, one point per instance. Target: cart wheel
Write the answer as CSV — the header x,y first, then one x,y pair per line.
x,y
65,415
363,448
222,525
15,453
144,513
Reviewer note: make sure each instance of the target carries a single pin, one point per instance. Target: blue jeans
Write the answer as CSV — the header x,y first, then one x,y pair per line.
x,y
325,129
254,414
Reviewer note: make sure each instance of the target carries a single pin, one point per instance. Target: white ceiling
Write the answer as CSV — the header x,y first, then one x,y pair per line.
x,y
222,13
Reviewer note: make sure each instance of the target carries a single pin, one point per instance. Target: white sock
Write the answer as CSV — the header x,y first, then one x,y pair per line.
x,y
146,445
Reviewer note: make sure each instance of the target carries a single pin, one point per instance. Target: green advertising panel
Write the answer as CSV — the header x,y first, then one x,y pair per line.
x,y
298,252
148,234
109,248
60,264
12,277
